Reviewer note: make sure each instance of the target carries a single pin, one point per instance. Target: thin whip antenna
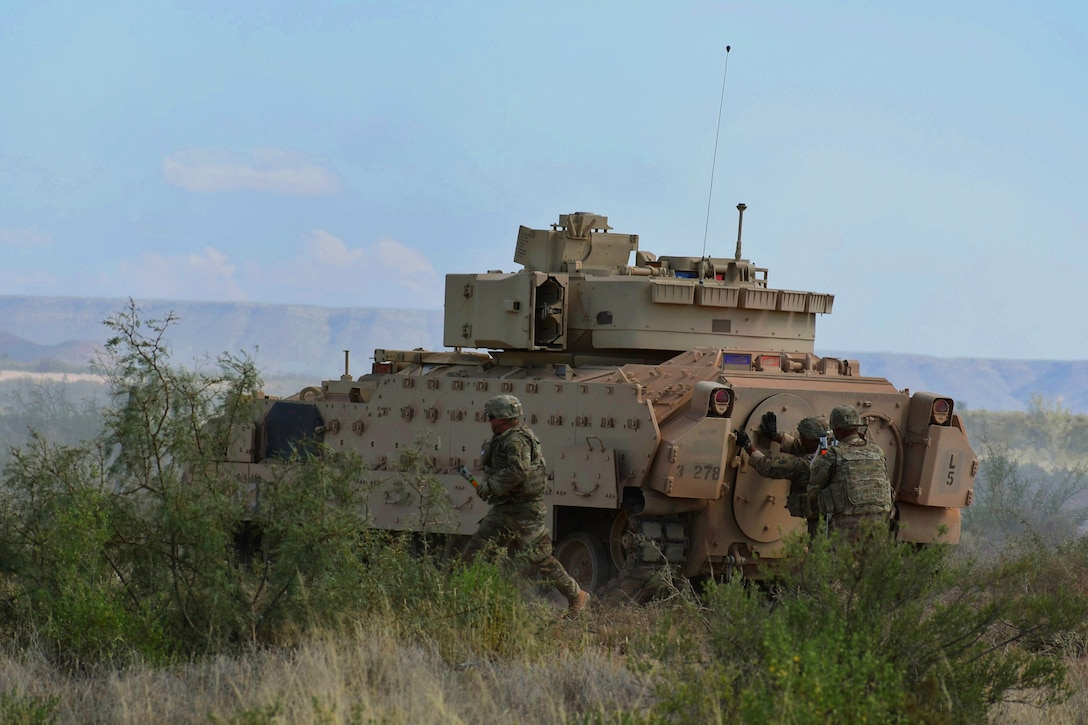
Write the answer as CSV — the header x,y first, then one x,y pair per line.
x,y
714,162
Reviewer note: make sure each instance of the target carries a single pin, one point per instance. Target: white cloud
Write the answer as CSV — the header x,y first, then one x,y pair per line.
x,y
396,263
330,250
419,274
266,169
24,239
327,271
388,266
324,271
205,276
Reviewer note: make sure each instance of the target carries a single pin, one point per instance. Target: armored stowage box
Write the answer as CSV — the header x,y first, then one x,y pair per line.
x,y
634,371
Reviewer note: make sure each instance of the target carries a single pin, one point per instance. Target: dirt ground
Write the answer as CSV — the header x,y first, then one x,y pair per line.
x,y
57,377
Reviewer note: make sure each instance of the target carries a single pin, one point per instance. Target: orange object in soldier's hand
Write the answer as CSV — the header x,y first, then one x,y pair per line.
x,y
467,475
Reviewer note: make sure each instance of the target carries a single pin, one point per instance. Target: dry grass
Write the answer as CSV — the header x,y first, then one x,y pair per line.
x,y
364,676
372,675
1073,711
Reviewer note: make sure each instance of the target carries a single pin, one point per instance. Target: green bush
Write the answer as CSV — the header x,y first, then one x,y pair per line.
x,y
141,543
1008,504
126,545
464,611
881,632
16,709
61,412
63,576
1047,435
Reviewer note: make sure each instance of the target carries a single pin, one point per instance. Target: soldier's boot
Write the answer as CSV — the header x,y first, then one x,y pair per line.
x,y
577,604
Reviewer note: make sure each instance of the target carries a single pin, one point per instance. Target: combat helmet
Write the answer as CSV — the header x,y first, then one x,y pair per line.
x,y
503,406
813,427
845,416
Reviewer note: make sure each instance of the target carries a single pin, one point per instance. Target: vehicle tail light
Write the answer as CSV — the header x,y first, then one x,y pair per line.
x,y
942,411
721,402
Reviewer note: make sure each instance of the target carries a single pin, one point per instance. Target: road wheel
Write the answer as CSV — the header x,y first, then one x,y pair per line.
x,y
584,557
620,542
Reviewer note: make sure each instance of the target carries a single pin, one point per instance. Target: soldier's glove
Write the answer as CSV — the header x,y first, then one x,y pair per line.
x,y
484,490
769,427
743,441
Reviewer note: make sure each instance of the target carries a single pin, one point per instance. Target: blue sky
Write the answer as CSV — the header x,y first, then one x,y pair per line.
x,y
924,161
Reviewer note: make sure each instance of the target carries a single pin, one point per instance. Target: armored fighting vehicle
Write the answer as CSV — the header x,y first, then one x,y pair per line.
x,y
634,371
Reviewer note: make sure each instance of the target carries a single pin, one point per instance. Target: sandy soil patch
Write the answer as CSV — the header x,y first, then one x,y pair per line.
x,y
57,377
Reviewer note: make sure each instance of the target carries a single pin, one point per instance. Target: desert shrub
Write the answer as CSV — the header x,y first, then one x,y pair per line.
x,y
60,412
1009,503
481,610
415,485
126,545
61,579
1048,434
18,709
882,632
143,543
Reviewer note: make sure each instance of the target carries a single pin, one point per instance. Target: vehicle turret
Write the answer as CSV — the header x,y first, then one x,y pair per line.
x,y
586,291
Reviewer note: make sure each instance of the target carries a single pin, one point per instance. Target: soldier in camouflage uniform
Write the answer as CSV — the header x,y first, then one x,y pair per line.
x,y
792,462
514,486
851,483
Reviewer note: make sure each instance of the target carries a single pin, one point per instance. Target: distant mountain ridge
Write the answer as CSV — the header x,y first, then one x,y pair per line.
x,y
310,341
983,384
19,350
283,339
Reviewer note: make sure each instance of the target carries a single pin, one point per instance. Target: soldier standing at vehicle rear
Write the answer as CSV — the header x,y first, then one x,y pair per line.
x,y
514,486
851,483
792,462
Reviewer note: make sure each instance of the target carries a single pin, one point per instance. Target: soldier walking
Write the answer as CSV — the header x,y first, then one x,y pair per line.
x,y
514,486
851,483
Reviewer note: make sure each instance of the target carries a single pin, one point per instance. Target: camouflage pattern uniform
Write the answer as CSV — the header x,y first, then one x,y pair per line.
x,y
514,486
851,482
790,464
